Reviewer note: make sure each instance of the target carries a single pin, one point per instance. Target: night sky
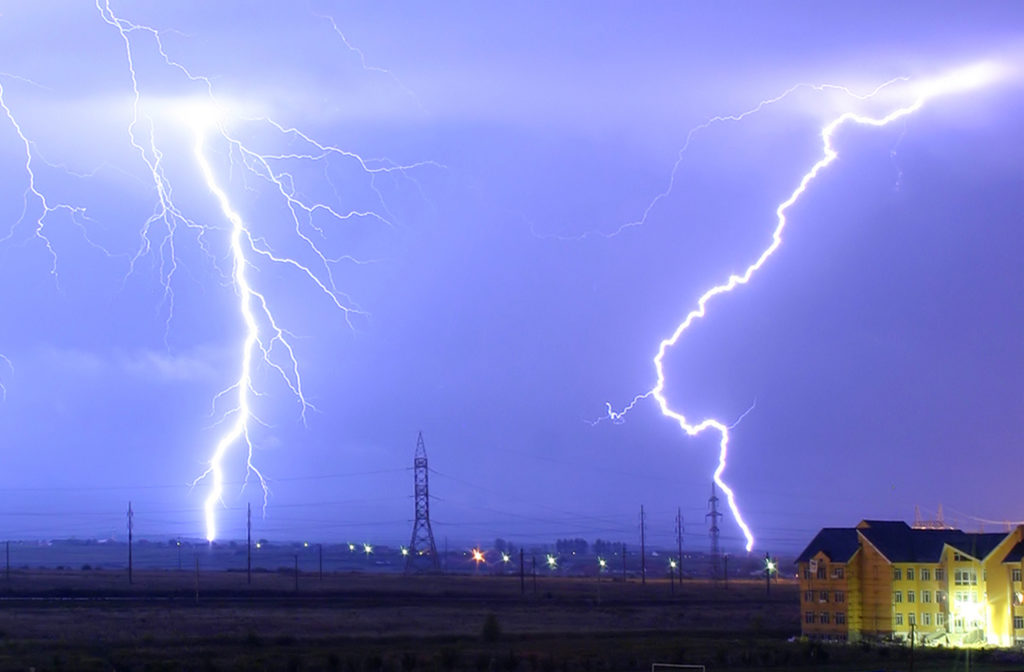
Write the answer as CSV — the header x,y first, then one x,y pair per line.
x,y
527,231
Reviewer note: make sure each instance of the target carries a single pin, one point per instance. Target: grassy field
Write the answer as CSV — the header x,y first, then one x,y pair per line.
x,y
95,620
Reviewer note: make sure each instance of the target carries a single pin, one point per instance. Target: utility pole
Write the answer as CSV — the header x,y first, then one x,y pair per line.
x,y
643,547
522,573
248,545
679,544
130,542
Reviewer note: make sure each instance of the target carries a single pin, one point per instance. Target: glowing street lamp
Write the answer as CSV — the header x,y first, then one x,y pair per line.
x,y
405,552
602,564
351,548
552,562
367,549
506,558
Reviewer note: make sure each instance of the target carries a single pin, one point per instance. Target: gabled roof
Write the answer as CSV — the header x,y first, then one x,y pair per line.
x,y
978,545
837,543
1016,554
899,542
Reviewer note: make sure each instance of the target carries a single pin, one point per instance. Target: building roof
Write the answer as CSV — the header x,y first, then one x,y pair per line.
x,y
899,542
1016,553
837,543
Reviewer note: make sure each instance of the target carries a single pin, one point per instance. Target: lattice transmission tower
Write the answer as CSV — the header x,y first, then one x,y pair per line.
x,y
422,549
716,552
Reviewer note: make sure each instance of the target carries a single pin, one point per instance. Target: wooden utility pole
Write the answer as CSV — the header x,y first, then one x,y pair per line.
x,y
679,544
643,547
248,545
522,573
129,542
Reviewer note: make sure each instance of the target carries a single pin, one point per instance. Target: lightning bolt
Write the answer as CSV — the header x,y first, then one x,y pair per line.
x,y
958,81
266,341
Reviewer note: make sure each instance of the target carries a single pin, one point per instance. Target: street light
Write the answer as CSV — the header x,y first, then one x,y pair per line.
x,y
552,562
367,548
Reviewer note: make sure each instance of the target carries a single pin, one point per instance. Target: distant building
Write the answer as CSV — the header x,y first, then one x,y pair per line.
x,y
885,579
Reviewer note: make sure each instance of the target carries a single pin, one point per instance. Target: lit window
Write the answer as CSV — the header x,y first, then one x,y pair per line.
x,y
910,573
840,618
897,597
940,574
840,596
1016,574
926,596
965,577
897,574
910,596
1018,622
899,619
926,575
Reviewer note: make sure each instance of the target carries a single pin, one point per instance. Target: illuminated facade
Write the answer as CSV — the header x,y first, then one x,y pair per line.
x,y
885,579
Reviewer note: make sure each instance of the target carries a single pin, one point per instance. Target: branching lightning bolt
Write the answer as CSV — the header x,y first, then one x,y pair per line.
x,y
958,81
266,342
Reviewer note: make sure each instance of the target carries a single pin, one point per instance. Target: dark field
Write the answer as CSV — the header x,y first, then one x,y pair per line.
x,y
94,620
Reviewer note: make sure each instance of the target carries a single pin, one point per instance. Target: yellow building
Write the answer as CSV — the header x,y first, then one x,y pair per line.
x,y
885,579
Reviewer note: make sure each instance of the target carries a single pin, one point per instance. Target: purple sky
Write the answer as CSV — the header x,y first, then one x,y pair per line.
x,y
881,343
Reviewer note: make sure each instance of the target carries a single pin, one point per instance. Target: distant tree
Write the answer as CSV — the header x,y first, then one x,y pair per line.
x,y
572,546
501,545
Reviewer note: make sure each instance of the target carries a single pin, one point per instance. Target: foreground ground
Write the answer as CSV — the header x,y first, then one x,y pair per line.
x,y
390,623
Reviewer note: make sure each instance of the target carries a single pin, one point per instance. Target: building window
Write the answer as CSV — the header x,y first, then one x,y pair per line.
x,y
808,596
965,577
912,618
940,619
1018,622
823,596
960,557
897,574
899,619
910,573
823,618
926,618
837,572
840,597
926,575
926,596
1016,574
840,618
809,617
940,574
897,597
822,572
910,596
